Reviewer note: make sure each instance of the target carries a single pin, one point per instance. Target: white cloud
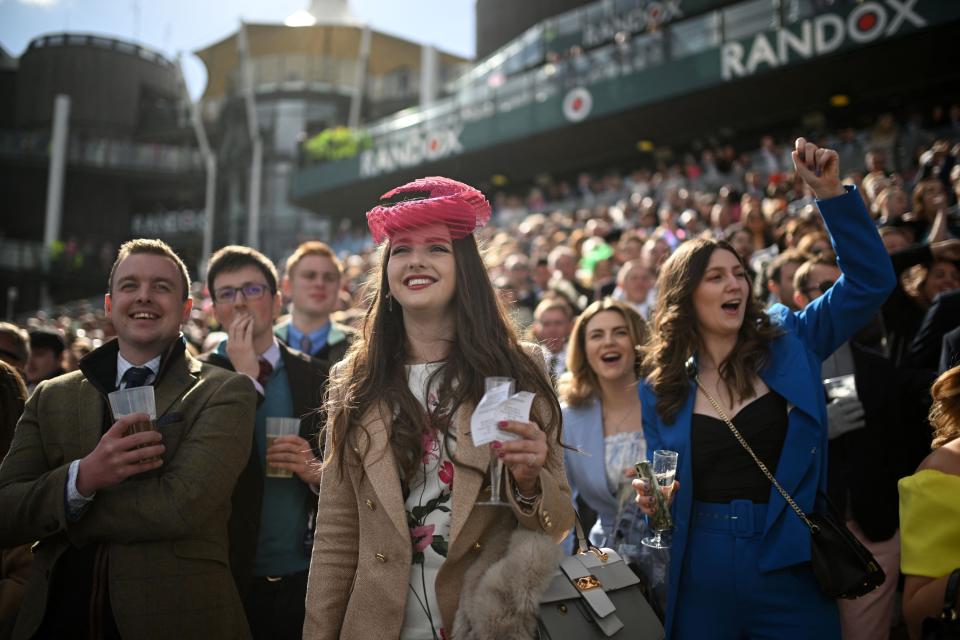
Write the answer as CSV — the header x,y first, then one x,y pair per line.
x,y
40,3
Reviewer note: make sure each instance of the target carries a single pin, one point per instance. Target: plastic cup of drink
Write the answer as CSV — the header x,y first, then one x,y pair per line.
x,y
136,400
277,427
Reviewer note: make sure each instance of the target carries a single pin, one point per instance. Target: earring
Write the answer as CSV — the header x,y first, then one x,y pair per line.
x,y
389,302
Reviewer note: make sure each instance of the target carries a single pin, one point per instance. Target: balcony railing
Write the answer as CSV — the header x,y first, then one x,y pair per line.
x,y
105,153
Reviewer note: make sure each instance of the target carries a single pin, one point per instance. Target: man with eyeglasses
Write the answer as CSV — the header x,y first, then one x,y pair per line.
x,y
271,525
311,283
865,450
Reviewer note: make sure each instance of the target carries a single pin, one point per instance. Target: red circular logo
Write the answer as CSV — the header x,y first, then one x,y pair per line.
x,y
577,104
867,21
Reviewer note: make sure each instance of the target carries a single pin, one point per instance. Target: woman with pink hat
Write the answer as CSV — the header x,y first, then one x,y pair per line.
x,y
402,547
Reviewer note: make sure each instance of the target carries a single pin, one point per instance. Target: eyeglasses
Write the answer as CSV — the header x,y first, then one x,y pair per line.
x,y
822,287
250,290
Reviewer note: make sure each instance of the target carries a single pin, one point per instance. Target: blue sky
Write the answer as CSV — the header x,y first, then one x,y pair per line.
x,y
173,26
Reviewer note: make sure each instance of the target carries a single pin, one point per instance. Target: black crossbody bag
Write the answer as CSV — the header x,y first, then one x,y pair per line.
x,y
843,567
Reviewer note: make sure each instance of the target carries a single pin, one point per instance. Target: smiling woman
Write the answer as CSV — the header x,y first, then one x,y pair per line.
x,y
402,477
421,271
601,418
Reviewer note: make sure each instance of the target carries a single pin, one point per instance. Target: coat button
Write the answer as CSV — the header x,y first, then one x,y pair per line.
x,y
381,557
477,546
371,505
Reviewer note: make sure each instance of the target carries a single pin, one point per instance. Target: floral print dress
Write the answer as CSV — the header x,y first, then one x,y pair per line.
x,y
428,517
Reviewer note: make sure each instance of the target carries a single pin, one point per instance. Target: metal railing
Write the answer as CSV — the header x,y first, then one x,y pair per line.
x,y
493,82
105,153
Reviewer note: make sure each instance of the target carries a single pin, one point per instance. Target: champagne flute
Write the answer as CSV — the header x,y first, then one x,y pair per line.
x,y
663,471
496,463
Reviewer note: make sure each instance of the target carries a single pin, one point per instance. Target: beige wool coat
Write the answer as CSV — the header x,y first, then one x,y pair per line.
x,y
362,551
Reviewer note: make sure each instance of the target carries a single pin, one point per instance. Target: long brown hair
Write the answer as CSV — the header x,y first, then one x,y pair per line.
x,y
580,383
676,336
945,411
485,344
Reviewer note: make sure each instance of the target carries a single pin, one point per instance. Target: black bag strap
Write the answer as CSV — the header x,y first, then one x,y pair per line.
x,y
814,528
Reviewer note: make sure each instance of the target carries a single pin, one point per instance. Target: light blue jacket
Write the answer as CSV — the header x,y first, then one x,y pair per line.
x,y
587,474
793,371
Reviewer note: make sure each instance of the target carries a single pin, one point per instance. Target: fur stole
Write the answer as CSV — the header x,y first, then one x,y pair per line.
x,y
500,597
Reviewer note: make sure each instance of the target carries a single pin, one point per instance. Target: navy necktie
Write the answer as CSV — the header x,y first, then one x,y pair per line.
x,y
306,345
135,377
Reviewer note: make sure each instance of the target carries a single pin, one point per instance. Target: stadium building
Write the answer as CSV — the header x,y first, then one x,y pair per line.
x,y
321,69
133,166
130,165
613,82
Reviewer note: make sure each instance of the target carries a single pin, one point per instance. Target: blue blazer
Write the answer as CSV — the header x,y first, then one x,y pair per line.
x,y
587,472
793,371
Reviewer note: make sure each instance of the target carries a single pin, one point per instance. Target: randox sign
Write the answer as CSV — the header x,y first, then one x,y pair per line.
x,y
820,35
409,149
638,20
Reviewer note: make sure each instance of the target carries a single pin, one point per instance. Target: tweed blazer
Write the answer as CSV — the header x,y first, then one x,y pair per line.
x,y
362,550
165,530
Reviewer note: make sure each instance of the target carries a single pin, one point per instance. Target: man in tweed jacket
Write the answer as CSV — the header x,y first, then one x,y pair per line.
x,y
124,547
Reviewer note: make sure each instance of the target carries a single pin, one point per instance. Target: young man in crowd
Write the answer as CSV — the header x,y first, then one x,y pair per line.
x,y
130,527
14,347
635,286
553,321
46,356
311,282
271,525
780,274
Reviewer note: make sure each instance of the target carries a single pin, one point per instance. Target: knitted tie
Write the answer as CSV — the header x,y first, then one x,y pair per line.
x,y
306,345
135,377
265,370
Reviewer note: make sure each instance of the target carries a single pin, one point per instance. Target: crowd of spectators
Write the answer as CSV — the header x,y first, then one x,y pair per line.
x,y
563,244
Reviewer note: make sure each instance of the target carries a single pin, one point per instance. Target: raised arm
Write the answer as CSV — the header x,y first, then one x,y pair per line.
x,y
867,275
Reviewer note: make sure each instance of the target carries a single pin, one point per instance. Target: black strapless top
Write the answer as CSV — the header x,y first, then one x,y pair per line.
x,y
722,469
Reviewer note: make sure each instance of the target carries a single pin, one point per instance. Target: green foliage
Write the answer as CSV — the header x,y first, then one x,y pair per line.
x,y
336,143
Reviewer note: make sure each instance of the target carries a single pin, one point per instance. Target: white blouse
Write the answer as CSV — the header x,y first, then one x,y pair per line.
x,y
428,507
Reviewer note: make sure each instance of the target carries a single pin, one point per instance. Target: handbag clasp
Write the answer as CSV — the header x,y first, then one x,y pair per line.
x,y
587,582
602,556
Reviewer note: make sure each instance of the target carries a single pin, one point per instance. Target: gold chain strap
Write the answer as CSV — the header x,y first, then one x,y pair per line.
x,y
743,443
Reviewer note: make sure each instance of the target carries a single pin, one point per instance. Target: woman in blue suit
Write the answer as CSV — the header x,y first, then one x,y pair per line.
x,y
740,561
601,417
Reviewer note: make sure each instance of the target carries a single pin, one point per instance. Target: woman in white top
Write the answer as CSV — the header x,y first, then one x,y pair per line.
x,y
399,536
